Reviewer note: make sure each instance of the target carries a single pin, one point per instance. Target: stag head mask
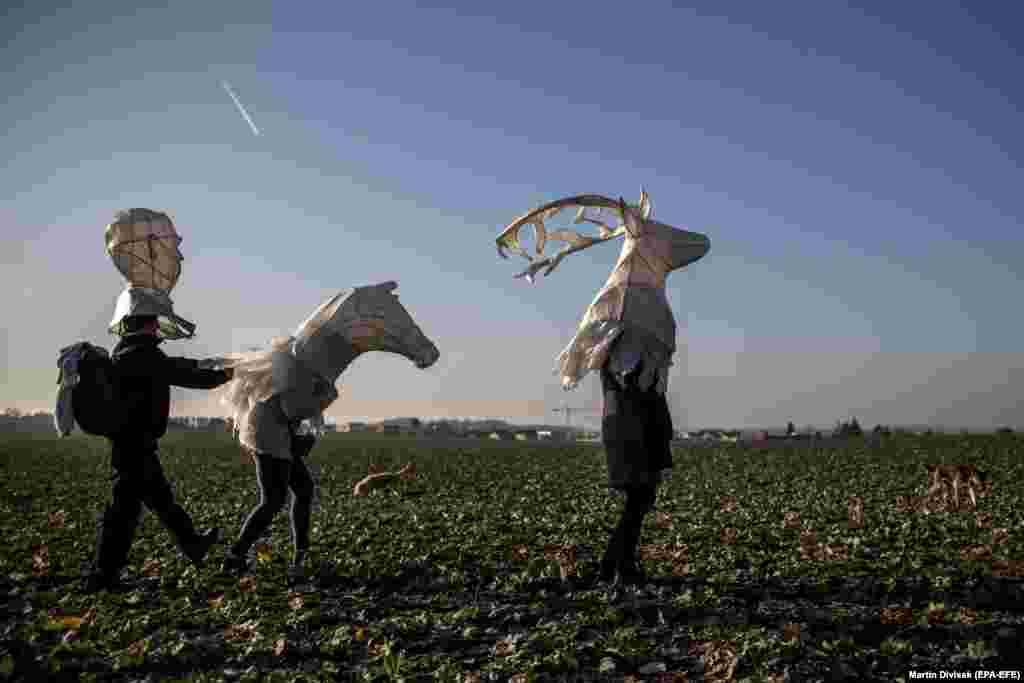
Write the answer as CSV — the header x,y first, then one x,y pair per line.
x,y
633,298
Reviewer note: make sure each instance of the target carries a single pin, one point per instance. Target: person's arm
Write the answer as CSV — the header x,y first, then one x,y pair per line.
x,y
187,373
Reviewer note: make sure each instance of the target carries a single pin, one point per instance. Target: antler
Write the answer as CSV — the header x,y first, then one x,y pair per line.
x,y
509,237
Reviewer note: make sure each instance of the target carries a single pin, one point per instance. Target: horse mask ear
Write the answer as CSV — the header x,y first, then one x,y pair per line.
x,y
389,286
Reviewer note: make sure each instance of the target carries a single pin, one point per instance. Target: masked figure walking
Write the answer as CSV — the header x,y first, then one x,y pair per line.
x,y
274,391
145,375
144,247
628,335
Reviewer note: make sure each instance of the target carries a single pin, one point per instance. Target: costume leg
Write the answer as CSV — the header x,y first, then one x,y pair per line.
x,y
620,555
639,501
610,561
301,484
272,475
156,493
115,529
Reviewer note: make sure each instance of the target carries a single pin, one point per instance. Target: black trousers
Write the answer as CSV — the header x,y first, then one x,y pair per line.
x,y
274,477
621,552
636,431
138,480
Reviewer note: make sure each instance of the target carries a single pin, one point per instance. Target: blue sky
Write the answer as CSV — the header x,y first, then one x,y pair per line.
x,y
858,172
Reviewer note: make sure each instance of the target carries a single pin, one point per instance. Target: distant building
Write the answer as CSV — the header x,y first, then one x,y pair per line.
x,y
443,428
403,425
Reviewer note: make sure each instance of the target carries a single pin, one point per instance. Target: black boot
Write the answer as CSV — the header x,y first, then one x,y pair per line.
x,y
628,569
630,573
100,581
114,537
234,565
196,550
609,567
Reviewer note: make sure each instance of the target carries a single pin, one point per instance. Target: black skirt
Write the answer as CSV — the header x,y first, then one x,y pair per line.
x,y
636,429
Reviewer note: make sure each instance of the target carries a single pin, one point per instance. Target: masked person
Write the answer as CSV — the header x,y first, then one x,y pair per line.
x,y
278,470
144,373
628,335
276,390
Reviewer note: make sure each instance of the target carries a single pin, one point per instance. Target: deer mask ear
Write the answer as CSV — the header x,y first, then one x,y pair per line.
x,y
645,205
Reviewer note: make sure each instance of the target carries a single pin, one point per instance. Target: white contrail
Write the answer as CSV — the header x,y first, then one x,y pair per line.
x,y
241,109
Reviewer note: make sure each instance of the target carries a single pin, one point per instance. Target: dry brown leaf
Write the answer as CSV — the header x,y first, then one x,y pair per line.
x,y
280,647
983,520
408,472
663,520
791,632
1000,535
520,552
976,552
967,615
40,560
138,648
837,552
57,519
720,661
728,535
471,677
375,647
728,503
67,621
215,600
791,520
296,601
247,584
151,567
680,568
565,556
238,633
264,552
897,615
1008,568
504,648
855,512
664,551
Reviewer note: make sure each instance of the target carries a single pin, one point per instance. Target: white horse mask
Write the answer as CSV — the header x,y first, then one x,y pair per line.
x,y
301,370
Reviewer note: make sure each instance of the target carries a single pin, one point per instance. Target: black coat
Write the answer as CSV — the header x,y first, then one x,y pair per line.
x,y
146,374
636,429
